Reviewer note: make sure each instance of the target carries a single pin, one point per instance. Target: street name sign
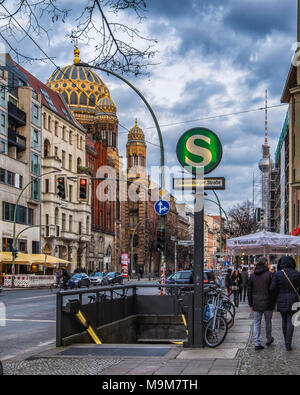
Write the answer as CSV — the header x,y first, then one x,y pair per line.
x,y
162,207
187,184
186,243
199,148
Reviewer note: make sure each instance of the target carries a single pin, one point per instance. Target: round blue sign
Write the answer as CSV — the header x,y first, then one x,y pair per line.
x,y
162,207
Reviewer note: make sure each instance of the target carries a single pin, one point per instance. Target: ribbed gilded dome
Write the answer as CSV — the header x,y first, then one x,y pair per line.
x,y
80,86
136,133
106,105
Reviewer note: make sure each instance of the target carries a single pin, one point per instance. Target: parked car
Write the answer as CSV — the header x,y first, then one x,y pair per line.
x,y
184,276
114,277
98,278
81,280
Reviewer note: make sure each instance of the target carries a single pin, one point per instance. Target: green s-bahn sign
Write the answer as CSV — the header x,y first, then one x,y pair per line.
x,y
197,148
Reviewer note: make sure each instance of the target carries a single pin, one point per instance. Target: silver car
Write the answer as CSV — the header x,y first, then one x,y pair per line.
x,y
98,279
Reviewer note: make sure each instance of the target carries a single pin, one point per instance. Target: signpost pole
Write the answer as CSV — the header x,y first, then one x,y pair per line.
x,y
199,269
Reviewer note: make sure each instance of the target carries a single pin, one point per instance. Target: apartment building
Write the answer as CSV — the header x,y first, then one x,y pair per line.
x,y
59,150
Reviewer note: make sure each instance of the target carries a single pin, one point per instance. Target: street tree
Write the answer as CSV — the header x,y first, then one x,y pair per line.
x,y
242,220
117,46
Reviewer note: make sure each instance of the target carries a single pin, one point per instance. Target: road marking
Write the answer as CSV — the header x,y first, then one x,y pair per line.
x,y
25,320
36,297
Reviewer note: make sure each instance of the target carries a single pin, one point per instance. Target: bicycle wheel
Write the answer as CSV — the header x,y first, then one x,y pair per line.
x,y
228,305
215,331
229,318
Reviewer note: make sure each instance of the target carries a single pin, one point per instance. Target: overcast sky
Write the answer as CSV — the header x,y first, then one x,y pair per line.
x,y
215,57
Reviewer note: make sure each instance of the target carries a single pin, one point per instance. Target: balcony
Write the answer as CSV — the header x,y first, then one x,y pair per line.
x,y
16,115
16,140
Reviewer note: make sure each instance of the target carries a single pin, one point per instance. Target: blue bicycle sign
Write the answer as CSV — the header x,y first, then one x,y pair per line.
x,y
162,207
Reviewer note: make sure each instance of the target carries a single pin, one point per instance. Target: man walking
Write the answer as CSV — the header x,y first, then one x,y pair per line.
x,y
244,285
260,300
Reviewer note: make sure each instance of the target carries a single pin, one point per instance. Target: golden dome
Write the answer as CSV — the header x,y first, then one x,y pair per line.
x,y
80,86
136,134
106,105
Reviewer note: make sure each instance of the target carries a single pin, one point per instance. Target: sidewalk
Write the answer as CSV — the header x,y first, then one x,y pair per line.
x,y
124,360
273,360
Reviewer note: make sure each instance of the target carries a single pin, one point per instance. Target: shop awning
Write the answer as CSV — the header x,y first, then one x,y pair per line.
x,y
29,259
6,258
42,259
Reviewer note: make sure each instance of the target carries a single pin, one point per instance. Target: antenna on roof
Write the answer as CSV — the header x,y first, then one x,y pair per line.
x,y
266,117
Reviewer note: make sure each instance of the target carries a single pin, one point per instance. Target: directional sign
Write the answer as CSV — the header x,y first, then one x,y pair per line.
x,y
199,148
162,207
186,243
187,184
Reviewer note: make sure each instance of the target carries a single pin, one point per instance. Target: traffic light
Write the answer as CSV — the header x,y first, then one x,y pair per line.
x,y
83,189
160,240
61,186
262,214
15,253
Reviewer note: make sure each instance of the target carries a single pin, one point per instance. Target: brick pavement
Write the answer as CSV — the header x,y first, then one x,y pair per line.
x,y
273,360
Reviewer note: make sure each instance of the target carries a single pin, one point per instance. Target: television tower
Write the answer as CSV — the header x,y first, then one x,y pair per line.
x,y
265,166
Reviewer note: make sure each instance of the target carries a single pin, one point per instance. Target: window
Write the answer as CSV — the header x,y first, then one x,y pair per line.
x,y
10,178
3,147
70,193
35,139
35,189
30,216
88,225
70,162
35,113
3,123
63,222
24,215
35,247
63,159
47,147
56,152
70,137
35,164
79,228
48,99
2,175
70,223
64,133
56,128
47,185
7,244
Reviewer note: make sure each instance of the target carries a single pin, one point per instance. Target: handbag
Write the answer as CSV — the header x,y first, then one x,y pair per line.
x,y
287,277
235,287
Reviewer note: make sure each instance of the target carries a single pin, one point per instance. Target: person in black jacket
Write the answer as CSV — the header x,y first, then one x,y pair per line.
x,y
284,287
260,299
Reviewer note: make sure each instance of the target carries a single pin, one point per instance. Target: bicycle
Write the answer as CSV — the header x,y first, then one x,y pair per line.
x,y
55,287
217,298
215,326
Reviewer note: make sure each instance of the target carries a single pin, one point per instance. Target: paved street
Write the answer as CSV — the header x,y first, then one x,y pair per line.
x,y
30,318
173,360
30,322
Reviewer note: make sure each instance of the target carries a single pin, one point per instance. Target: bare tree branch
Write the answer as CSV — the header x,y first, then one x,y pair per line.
x,y
118,47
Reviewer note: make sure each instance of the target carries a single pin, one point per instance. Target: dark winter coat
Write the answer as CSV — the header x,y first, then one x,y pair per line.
x,y
281,290
236,279
245,278
259,296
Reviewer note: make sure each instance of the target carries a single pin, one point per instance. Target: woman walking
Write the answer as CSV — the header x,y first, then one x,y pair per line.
x,y
285,289
236,281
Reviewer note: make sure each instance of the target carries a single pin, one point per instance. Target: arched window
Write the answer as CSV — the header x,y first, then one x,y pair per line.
x,y
78,163
56,216
44,120
49,123
47,148
74,99
83,99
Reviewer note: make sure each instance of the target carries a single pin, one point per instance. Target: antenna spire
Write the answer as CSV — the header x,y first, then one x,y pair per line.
x,y
266,117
